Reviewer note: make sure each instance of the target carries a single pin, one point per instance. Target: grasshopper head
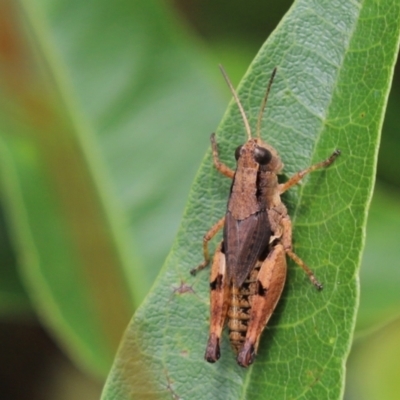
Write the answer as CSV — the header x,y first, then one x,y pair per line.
x,y
255,151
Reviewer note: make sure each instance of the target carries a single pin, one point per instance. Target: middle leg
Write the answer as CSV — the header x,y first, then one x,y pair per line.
x,y
287,244
207,237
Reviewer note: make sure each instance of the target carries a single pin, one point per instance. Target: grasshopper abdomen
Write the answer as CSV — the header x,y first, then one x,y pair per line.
x,y
241,299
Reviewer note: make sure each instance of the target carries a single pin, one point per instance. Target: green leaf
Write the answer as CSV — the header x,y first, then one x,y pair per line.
x,y
380,296
373,365
13,298
335,63
374,362
388,168
96,115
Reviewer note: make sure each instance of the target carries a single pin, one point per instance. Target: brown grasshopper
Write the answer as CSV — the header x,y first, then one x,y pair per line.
x,y
249,266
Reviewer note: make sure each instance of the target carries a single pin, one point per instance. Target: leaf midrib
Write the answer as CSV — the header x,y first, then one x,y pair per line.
x,y
300,194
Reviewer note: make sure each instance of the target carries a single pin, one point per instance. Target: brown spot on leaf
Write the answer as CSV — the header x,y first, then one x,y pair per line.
x,y
183,288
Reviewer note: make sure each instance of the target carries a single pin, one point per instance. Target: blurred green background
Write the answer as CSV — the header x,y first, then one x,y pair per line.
x,y
76,67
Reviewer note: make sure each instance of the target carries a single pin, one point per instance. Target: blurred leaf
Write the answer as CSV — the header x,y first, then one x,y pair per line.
x,y
335,62
97,104
388,167
380,272
235,20
374,364
13,298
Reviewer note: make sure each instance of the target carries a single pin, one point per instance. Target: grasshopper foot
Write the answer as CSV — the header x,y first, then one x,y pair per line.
x,y
246,355
212,350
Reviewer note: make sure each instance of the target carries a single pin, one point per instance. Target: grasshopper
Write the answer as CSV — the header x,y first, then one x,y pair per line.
x,y
248,271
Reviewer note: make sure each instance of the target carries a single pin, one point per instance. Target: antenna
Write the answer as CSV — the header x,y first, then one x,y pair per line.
x,y
264,103
235,96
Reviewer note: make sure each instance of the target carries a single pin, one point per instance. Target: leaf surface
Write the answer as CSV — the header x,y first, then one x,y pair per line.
x,y
96,106
335,63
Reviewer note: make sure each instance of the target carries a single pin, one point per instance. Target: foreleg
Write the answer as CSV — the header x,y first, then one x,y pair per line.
x,y
297,177
222,168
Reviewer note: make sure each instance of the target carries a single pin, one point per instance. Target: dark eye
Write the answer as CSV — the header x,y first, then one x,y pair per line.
x,y
262,156
237,152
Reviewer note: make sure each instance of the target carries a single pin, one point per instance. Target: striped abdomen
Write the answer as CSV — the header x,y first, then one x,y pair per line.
x,y
239,309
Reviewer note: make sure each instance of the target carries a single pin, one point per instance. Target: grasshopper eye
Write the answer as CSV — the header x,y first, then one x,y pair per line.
x,y
237,152
262,155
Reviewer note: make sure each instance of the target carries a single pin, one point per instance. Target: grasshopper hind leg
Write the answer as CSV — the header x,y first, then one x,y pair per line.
x,y
270,281
219,302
